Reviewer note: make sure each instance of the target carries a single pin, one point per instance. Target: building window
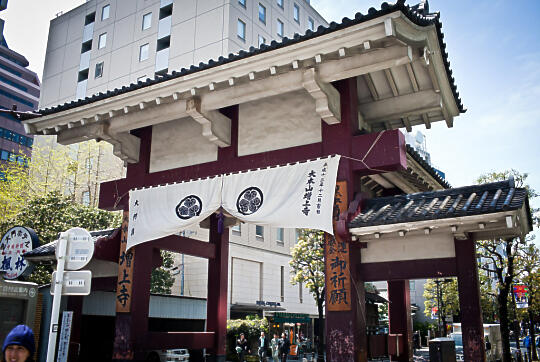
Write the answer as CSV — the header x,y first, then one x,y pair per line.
x,y
143,52
90,18
102,41
282,289
280,3
99,70
259,231
146,21
311,24
262,13
241,32
262,40
296,13
280,27
4,156
86,198
105,12
236,230
280,235
242,2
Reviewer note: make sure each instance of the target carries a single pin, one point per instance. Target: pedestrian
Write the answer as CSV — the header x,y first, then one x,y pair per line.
x,y
275,348
527,343
263,347
19,345
242,347
284,347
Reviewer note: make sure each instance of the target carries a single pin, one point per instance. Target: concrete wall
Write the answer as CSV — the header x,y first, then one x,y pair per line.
x,y
199,31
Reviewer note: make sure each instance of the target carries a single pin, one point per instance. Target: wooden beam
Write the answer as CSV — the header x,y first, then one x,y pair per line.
x,y
327,98
391,82
126,146
216,127
425,118
163,113
403,106
371,87
412,77
415,269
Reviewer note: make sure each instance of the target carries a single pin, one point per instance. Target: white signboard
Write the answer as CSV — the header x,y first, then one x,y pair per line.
x,y
75,282
15,242
65,334
80,248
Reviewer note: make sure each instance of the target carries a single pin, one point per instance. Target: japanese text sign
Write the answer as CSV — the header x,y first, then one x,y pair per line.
x,y
125,270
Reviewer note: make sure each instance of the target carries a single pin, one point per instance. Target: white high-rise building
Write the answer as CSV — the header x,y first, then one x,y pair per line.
x,y
107,44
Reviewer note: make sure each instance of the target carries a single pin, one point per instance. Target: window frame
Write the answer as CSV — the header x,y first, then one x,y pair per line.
x,y
311,23
296,13
280,3
280,232
242,3
101,66
104,37
147,45
238,23
263,8
108,7
280,28
261,234
145,16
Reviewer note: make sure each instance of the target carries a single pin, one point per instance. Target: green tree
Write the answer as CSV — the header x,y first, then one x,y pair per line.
x,y
449,301
499,258
307,268
162,280
53,213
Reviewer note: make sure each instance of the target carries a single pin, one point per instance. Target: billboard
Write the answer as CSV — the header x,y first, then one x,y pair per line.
x,y
521,295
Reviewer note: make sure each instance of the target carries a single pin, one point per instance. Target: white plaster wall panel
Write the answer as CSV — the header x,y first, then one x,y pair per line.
x,y
144,4
72,55
243,15
68,79
181,61
123,32
179,143
138,29
96,52
50,90
120,63
209,27
208,5
100,24
102,88
184,10
58,30
54,62
246,281
409,247
182,38
124,8
136,65
268,124
211,51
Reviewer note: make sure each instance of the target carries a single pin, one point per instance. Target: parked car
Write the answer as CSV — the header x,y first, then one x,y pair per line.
x,y
168,355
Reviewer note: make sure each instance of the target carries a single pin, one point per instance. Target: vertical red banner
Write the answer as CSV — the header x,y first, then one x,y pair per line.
x,y
125,270
336,258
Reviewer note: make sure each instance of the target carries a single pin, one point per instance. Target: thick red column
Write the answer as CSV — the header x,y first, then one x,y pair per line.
x,y
216,304
399,316
469,301
346,338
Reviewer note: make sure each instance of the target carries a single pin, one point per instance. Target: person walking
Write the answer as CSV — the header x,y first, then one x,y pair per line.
x,y
242,347
275,348
19,345
284,347
527,343
263,347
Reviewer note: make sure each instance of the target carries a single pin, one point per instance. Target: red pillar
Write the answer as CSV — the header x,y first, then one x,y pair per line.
x,y
216,304
346,338
469,301
399,316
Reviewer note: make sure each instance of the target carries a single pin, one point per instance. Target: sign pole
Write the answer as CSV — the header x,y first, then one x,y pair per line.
x,y
53,330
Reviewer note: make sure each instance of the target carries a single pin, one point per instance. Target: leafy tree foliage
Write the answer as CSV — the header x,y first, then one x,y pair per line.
x,y
307,265
53,213
162,280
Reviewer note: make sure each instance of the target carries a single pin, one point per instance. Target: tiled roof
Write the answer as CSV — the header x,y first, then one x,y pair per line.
x,y
50,248
450,203
414,14
416,156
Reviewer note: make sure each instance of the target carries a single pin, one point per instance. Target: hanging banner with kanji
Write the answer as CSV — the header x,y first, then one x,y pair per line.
x,y
336,258
292,196
125,270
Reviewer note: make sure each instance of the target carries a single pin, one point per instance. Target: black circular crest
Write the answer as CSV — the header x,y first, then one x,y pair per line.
x,y
189,207
249,201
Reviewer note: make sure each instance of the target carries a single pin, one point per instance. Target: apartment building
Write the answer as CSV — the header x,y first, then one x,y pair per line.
x,y
19,87
106,44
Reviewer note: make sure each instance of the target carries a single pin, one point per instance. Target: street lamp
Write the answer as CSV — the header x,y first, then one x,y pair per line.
x,y
440,305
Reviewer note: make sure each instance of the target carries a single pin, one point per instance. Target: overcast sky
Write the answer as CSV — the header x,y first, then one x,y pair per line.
x,y
495,57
